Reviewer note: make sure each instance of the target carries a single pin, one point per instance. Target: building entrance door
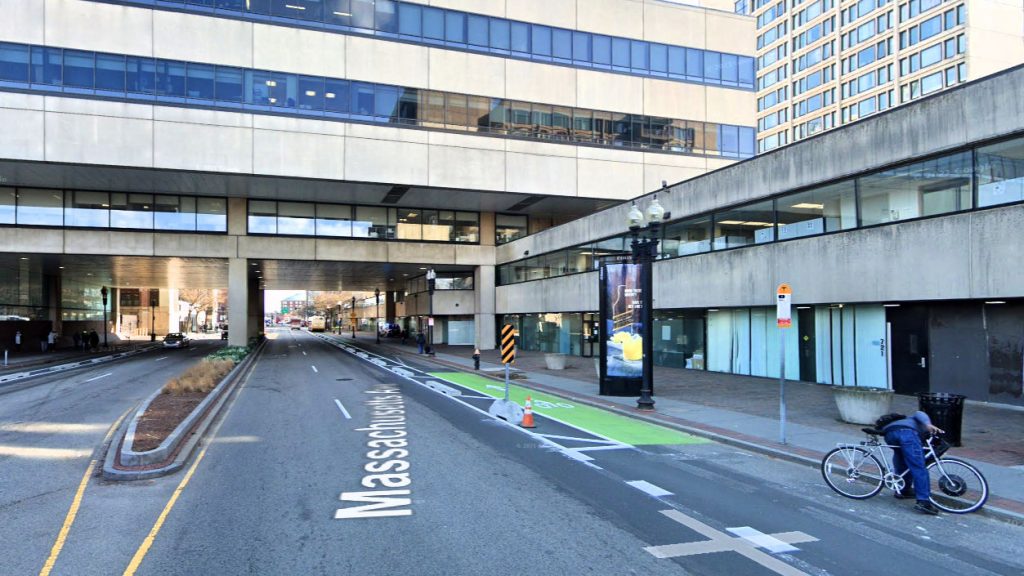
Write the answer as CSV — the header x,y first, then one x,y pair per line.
x,y
909,348
808,355
590,336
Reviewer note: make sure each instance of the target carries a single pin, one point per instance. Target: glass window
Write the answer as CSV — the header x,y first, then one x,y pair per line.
x,y
676,62
170,78
455,27
212,215
40,207
131,211
437,225
371,222
500,35
743,226
175,213
310,93
262,217
638,56
362,99
478,109
386,102
408,106
477,33
561,44
229,84
14,59
410,20
931,83
580,46
521,38
110,72
432,109
46,65
200,82
333,220
433,23
561,120
362,14
8,201
616,246
336,12
467,227
659,58
456,115
620,52
87,209
602,50
509,227
540,37
541,120
712,67
579,259
694,65
408,223
730,70
691,236
140,75
336,96
925,188
521,123
298,218
499,116
825,209
79,69
386,16
582,125
1001,173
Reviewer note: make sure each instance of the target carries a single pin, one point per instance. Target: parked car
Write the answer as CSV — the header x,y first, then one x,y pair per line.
x,y
176,340
224,332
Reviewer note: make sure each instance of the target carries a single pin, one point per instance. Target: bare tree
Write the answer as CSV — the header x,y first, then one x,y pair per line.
x,y
198,299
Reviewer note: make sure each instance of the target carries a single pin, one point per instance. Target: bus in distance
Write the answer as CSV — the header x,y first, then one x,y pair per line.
x,y
317,324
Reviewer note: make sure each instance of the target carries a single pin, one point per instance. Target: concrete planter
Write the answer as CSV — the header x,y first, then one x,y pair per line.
x,y
554,361
860,405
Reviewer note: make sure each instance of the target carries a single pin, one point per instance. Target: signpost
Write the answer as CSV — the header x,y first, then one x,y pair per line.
x,y
504,409
783,304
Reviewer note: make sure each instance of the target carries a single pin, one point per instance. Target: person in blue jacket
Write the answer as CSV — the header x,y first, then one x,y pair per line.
x,y
906,433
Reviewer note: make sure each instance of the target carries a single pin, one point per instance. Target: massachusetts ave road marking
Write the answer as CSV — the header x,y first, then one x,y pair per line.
x,y
721,542
762,540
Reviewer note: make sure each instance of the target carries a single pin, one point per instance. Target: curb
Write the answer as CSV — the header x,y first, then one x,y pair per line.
x,y
178,447
13,377
995,512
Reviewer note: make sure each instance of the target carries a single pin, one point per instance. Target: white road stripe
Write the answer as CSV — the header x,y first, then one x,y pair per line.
x,y
342,408
159,359
649,488
314,369
762,540
100,376
304,353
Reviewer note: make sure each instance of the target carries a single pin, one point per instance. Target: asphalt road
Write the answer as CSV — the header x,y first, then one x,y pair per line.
x,y
289,483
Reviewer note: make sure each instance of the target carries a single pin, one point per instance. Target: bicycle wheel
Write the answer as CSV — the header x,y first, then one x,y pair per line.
x,y
853,472
957,486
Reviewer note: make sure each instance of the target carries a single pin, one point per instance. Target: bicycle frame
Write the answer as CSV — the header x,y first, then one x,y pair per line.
x,y
891,480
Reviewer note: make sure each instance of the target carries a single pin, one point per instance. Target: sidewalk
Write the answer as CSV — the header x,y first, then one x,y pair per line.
x,y
744,410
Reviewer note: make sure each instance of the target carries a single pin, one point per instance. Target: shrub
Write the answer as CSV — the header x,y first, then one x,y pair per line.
x,y
233,353
201,377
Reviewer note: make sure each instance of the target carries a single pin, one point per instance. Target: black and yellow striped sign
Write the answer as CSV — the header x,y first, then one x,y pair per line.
x,y
508,344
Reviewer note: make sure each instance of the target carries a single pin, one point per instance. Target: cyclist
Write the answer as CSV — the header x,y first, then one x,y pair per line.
x,y
906,433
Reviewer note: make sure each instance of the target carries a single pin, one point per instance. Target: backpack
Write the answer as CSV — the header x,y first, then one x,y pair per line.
x,y
887,419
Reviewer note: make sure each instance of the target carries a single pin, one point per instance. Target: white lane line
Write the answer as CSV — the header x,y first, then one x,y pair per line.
x,y
649,488
314,369
342,408
304,353
762,540
159,359
100,376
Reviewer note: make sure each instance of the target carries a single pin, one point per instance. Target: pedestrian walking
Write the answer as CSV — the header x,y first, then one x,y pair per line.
x,y
94,340
17,341
420,341
51,341
77,338
405,335
906,433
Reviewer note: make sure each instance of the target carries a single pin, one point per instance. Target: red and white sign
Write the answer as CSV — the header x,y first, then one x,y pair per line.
x,y
783,300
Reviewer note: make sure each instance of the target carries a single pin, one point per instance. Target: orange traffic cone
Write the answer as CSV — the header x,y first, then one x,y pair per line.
x,y
528,415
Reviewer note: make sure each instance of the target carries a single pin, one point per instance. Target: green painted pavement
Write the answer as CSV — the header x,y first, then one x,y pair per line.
x,y
617,427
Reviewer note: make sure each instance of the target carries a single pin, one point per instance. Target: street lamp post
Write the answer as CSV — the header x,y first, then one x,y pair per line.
x,y
376,320
431,280
353,316
103,293
645,252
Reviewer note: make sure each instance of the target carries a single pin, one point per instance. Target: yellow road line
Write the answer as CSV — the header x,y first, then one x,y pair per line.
x,y
62,536
140,554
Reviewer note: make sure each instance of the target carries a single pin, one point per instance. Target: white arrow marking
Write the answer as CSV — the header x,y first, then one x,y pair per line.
x,y
342,408
100,376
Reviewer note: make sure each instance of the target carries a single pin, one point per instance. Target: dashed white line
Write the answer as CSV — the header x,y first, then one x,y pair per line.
x,y
314,369
342,408
645,486
159,359
100,376
304,353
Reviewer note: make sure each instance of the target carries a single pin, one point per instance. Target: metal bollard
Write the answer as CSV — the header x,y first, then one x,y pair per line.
x,y
476,359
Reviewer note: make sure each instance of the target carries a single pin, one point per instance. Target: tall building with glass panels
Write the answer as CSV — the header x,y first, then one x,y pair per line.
x,y
825,63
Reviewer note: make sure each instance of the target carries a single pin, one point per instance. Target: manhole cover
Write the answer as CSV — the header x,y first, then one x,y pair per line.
x,y
344,379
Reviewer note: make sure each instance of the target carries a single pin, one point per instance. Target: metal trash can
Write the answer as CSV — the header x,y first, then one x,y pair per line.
x,y
946,412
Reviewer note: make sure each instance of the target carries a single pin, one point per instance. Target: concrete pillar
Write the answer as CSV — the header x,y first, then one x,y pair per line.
x,y
483,319
238,217
238,301
389,306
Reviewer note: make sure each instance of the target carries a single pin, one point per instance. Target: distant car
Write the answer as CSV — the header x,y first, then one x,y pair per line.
x,y
224,332
176,340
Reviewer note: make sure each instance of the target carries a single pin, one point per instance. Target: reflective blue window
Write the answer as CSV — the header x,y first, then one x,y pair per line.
x,y
410,19
79,69
229,84
746,72
455,27
659,58
14,62
694,64
500,39
478,26
747,141
386,16
46,65
311,93
433,23
561,44
676,62
620,52
713,66
336,96
541,40
170,78
362,99
602,50
581,46
730,70
386,105
141,75
362,14
110,73
638,55
200,83
336,12
520,37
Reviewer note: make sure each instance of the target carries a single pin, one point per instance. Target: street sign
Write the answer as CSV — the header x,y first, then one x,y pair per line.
x,y
508,344
783,297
